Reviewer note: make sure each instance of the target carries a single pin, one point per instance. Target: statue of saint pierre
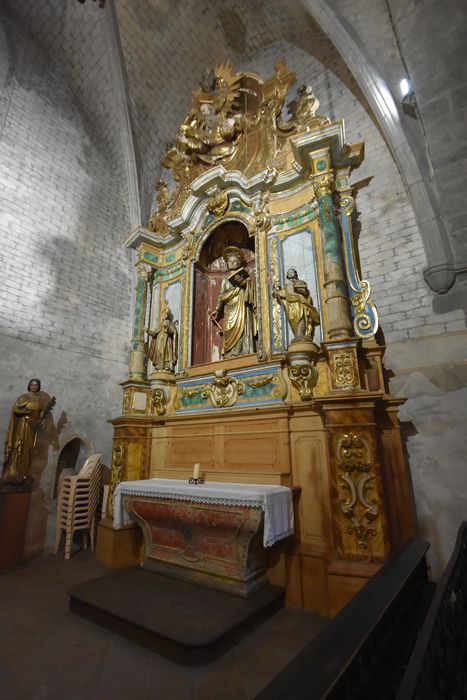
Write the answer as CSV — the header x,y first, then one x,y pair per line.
x,y
237,304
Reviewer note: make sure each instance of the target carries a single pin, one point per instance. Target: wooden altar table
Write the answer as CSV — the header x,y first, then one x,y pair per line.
x,y
213,533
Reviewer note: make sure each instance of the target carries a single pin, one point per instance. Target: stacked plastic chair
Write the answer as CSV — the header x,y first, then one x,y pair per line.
x,y
77,504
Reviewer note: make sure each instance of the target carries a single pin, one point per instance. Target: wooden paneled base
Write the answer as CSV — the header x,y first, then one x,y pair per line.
x,y
345,579
119,549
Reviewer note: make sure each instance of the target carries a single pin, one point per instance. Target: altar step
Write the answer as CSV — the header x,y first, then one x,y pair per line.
x,y
186,622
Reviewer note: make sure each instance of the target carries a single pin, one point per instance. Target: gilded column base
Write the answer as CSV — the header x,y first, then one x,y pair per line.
x,y
136,397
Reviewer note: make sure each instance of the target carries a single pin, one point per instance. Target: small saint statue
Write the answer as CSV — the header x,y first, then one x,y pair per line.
x,y
237,304
27,417
163,348
296,300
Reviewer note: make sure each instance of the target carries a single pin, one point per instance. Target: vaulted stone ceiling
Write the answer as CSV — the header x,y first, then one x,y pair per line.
x,y
166,46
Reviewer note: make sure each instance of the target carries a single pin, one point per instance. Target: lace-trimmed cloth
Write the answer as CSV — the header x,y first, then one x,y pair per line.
x,y
275,501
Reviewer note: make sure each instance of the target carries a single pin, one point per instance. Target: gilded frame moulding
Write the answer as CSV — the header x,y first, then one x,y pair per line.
x,y
241,389
118,452
129,398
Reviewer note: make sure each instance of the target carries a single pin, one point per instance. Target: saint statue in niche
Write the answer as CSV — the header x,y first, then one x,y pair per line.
x,y
27,417
237,304
163,349
298,305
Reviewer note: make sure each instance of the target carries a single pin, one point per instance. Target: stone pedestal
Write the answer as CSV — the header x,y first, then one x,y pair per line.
x,y
14,507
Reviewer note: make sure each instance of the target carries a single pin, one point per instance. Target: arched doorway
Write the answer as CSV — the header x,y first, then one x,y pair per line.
x,y
70,460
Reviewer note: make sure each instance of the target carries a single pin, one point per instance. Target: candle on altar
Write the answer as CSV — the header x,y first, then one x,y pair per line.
x,y
196,469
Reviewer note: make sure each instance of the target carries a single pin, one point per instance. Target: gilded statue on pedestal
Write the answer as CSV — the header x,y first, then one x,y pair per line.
x,y
27,417
163,348
237,303
296,300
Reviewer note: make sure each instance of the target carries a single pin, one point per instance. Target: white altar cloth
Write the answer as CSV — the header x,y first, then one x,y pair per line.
x,y
275,501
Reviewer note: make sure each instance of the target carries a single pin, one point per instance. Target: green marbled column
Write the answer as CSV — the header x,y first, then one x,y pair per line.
x,y
335,283
137,342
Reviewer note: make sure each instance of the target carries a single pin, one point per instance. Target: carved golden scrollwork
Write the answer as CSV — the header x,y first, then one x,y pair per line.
x,y
362,321
126,406
218,203
223,390
159,401
354,462
304,378
348,203
116,471
344,370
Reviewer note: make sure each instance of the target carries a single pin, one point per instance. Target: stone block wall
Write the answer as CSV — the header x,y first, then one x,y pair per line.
x,y
66,301
65,297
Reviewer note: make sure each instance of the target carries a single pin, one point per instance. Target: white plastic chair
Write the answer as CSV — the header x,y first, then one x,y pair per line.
x,y
77,504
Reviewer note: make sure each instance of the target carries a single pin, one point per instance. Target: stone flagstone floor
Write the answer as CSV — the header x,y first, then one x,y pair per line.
x,y
48,653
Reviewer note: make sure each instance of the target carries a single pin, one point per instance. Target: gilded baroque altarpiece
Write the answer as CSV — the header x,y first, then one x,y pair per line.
x,y
258,216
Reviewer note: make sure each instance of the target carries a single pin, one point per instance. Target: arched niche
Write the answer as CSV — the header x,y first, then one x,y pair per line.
x,y
70,460
209,271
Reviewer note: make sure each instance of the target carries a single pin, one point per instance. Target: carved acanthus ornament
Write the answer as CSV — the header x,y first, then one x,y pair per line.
x,y
304,378
323,184
143,270
235,119
302,110
116,471
218,203
223,390
344,370
354,462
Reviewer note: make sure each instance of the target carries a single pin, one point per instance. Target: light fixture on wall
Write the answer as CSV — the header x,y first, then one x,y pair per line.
x,y
101,2
409,103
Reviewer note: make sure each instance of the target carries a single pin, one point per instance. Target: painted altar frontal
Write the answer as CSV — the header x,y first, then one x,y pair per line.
x,y
254,347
